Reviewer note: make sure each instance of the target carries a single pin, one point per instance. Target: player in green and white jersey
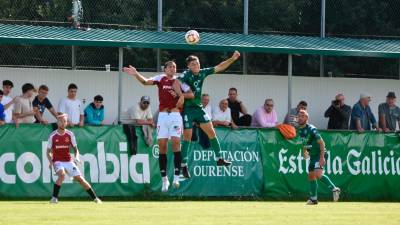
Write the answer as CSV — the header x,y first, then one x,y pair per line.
x,y
314,148
193,110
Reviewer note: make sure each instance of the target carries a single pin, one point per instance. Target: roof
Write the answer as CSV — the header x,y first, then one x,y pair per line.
x,y
282,44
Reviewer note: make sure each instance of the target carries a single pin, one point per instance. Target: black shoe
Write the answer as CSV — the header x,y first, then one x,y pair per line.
x,y
223,162
312,202
185,172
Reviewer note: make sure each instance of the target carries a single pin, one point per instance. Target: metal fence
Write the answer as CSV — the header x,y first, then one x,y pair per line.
x,y
344,18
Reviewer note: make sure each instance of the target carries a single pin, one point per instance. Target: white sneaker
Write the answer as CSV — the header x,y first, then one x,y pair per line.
x,y
312,202
98,201
336,194
54,200
165,185
175,183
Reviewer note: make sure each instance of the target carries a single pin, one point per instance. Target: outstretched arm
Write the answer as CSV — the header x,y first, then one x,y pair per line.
x,y
225,64
133,72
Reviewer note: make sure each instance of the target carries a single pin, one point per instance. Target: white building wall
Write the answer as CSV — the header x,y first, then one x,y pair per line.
x,y
252,90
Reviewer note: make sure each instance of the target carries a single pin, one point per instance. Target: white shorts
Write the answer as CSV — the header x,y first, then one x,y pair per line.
x,y
70,168
169,125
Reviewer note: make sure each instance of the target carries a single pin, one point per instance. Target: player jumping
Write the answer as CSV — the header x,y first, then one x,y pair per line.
x,y
193,111
314,147
60,159
169,123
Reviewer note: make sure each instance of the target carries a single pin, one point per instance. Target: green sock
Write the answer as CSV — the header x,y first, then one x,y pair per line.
x,y
216,146
184,151
325,179
313,189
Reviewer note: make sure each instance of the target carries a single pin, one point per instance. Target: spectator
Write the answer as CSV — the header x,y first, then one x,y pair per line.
x,y
141,114
94,112
291,117
265,116
2,115
205,101
72,107
222,115
236,108
389,113
23,109
338,114
362,117
7,101
41,103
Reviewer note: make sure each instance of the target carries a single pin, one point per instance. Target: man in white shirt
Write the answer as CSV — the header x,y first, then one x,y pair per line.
x,y
23,111
205,101
72,106
222,115
7,101
141,115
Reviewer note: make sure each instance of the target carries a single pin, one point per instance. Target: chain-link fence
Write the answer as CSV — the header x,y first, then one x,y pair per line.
x,y
301,17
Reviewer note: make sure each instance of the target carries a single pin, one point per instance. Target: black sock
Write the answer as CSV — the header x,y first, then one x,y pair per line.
x,y
162,160
177,162
91,193
56,190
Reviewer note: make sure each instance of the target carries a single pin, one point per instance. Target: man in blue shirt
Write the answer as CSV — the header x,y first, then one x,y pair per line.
x,y
94,112
2,115
362,118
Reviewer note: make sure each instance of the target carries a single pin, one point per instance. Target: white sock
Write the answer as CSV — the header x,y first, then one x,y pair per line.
x,y
176,177
164,179
183,164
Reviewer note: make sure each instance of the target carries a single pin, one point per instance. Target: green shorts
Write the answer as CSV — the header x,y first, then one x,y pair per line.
x,y
314,162
194,114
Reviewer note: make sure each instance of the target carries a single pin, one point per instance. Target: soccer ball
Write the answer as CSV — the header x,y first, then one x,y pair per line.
x,y
192,37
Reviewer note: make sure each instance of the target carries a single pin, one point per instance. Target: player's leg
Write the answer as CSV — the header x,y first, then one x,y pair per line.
x,y
57,186
175,135
82,181
187,140
208,128
162,139
312,179
326,180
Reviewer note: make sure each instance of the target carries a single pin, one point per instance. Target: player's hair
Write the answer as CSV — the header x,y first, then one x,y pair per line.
x,y
1,92
98,98
233,89
191,58
8,83
72,86
43,87
303,103
27,87
168,63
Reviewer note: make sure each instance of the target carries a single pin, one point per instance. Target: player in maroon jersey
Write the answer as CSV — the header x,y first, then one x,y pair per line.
x,y
59,144
169,123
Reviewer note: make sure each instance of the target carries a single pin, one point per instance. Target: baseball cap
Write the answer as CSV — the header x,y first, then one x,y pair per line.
x,y
145,99
391,94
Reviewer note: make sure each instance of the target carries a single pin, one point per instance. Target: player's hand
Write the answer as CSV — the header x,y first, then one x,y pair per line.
x,y
180,102
322,161
44,122
77,160
234,126
236,55
130,70
51,165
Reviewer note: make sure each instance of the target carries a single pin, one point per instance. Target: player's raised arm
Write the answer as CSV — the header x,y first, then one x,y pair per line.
x,y
225,64
133,72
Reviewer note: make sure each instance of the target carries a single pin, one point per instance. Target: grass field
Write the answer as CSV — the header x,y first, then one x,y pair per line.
x,y
198,212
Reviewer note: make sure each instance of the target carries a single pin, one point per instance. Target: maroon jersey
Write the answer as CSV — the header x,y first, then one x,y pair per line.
x,y
61,144
164,84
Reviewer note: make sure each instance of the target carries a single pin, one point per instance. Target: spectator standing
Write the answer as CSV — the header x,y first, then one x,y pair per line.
x,y
292,116
141,114
362,117
94,112
7,101
389,113
265,116
72,107
23,108
41,103
237,107
338,114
